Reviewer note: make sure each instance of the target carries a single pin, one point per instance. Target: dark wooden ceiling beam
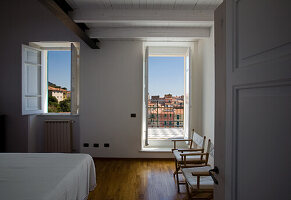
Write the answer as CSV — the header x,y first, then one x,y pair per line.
x,y
63,16
83,26
64,6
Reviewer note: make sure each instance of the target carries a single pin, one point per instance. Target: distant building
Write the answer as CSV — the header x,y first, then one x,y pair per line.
x,y
167,111
68,95
59,93
168,96
155,98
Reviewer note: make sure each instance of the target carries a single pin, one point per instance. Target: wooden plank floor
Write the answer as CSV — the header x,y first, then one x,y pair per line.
x,y
131,179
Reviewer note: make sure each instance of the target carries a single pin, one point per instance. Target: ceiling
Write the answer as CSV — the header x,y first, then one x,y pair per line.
x,y
147,4
145,19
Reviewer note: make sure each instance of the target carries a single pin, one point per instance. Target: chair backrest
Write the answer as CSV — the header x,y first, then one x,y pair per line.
x,y
198,140
210,151
204,158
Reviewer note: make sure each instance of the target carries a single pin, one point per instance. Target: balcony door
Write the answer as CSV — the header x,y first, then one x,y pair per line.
x,y
166,93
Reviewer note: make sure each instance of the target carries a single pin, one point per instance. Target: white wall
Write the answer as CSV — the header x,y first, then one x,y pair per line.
x,y
197,70
111,89
205,99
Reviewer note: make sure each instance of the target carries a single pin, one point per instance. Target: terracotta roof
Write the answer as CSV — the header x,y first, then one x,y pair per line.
x,y
57,89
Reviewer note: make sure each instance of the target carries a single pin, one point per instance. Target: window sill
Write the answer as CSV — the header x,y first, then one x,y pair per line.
x,y
57,114
156,150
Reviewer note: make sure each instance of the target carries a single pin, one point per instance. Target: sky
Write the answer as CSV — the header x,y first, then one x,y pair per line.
x,y
166,75
59,68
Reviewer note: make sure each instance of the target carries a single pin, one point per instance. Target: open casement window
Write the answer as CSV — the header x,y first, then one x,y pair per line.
x,y
187,85
34,85
145,93
34,75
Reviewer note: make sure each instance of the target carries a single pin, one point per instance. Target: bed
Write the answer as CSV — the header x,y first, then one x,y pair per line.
x,y
46,176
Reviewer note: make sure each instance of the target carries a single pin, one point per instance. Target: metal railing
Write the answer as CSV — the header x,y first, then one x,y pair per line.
x,y
165,114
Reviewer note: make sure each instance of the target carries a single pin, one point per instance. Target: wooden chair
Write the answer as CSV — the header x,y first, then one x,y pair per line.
x,y
194,142
199,144
197,178
188,157
199,183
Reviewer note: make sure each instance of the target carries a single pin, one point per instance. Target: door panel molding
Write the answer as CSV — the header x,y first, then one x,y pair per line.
x,y
276,51
235,122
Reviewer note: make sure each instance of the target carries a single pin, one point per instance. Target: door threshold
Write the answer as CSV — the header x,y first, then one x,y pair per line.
x,y
162,138
156,149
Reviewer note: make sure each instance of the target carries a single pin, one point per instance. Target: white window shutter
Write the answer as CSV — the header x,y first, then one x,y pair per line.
x,y
33,80
74,80
146,93
187,96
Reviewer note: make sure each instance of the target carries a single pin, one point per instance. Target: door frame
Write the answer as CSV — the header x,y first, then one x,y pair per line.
x,y
190,47
220,98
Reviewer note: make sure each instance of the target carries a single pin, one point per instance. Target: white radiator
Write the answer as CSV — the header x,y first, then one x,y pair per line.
x,y
58,136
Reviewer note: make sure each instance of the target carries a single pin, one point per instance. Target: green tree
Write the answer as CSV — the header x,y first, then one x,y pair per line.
x,y
51,84
53,105
52,99
65,105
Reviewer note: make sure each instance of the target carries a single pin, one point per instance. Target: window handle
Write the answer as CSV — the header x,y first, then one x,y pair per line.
x,y
215,170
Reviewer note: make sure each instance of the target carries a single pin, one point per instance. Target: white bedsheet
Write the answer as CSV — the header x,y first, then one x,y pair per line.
x,y
46,176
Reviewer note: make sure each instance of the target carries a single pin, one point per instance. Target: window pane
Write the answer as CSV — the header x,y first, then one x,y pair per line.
x,y
59,81
33,79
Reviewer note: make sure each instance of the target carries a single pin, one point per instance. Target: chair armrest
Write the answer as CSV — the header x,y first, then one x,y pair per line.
x,y
181,140
200,174
195,165
189,150
193,154
174,150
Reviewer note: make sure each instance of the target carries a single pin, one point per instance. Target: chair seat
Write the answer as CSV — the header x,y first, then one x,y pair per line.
x,y
206,182
192,159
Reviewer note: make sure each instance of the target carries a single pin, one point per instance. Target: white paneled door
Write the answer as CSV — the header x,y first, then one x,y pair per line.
x,y
256,111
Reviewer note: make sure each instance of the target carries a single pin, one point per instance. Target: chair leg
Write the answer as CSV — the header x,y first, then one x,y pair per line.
x,y
178,183
210,196
176,168
177,177
188,191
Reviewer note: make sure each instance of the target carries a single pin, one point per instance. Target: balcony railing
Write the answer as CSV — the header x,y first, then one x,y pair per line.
x,y
166,113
